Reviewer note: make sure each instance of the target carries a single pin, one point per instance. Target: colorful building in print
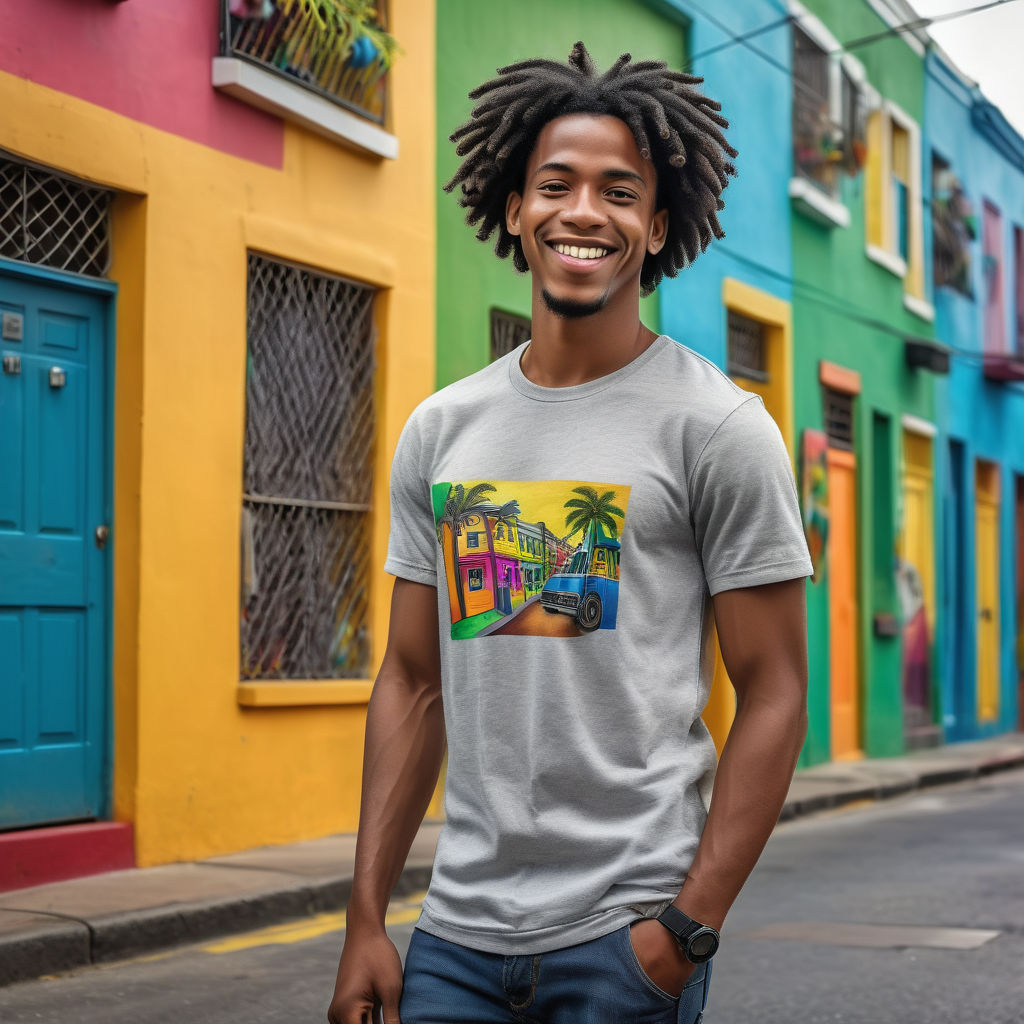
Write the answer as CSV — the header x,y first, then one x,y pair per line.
x,y
217,290
973,177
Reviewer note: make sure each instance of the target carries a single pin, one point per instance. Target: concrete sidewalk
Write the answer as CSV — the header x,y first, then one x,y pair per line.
x,y
64,925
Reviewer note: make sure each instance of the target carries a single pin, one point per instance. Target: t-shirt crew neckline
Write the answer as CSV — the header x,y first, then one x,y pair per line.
x,y
526,387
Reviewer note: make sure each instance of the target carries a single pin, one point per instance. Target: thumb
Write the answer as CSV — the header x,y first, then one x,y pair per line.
x,y
389,1006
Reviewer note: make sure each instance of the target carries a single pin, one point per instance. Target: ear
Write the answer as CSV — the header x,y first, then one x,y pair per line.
x,y
513,205
658,233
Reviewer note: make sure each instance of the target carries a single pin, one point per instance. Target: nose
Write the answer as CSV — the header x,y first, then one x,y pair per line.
x,y
584,209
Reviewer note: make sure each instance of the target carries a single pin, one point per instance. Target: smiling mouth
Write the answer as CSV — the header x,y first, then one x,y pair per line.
x,y
580,252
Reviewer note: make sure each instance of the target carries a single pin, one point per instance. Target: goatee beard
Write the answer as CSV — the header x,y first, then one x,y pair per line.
x,y
569,309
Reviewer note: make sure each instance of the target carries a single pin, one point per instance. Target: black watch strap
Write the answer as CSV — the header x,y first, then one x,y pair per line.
x,y
699,942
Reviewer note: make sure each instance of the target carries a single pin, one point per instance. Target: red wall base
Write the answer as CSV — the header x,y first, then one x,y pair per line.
x,y
36,856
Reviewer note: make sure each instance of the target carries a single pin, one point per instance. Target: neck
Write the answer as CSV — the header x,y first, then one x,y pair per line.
x,y
563,352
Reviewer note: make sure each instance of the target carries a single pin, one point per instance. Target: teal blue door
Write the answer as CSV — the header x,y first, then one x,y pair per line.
x,y
53,572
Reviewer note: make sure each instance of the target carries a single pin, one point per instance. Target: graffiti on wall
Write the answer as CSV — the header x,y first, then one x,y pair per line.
x,y
814,496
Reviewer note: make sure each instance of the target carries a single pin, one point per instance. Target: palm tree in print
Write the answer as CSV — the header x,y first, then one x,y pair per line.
x,y
462,509
590,510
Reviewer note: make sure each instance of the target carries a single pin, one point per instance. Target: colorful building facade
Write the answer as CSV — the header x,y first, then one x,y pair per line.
x,y
974,181
145,681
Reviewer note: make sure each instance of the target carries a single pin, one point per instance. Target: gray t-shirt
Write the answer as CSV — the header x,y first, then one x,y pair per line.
x,y
575,536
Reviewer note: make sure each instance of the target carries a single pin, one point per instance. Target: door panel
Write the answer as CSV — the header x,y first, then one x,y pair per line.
x,y
53,593
987,534
844,660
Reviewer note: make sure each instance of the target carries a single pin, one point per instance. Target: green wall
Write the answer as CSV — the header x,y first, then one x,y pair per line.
x,y
837,291
473,39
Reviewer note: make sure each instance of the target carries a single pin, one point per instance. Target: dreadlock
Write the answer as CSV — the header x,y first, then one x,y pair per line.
x,y
674,125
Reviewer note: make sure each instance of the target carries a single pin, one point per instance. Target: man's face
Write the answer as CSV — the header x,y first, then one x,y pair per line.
x,y
586,190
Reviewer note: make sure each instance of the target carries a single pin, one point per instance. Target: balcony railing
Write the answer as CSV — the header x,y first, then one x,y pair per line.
x,y
315,45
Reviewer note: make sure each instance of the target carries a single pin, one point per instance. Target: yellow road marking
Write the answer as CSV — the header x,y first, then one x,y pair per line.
x,y
301,931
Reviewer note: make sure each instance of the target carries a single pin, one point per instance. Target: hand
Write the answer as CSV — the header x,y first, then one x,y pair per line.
x,y
660,956
369,980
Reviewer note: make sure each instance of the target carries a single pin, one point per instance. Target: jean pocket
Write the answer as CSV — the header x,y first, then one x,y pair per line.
x,y
632,962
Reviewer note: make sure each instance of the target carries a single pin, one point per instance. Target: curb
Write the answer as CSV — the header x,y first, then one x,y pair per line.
x,y
50,943
55,944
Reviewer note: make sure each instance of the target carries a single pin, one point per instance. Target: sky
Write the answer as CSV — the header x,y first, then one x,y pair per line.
x,y
987,47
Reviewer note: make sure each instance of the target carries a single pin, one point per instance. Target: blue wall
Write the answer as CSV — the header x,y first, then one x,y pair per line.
x,y
988,418
756,218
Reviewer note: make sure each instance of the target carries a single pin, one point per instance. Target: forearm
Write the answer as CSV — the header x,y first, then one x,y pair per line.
x,y
402,758
751,784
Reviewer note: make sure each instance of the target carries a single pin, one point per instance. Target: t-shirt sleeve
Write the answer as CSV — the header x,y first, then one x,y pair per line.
x,y
412,541
744,506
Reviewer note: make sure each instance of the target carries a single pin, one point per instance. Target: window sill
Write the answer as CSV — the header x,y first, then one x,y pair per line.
x,y
925,310
259,88
298,693
896,265
813,203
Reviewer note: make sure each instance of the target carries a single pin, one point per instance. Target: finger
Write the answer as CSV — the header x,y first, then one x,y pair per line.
x,y
389,1006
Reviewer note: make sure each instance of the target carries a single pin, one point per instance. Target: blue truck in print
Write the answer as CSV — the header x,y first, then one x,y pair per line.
x,y
587,588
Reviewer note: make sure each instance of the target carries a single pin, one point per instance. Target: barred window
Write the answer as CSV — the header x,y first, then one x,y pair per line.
x,y
52,220
839,418
745,347
309,437
508,331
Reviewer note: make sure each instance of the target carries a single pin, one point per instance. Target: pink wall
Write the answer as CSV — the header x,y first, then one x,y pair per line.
x,y
147,59
992,243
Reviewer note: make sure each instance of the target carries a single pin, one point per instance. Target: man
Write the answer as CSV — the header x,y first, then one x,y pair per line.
x,y
581,874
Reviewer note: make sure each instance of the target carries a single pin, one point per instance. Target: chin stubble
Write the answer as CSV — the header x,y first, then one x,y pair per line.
x,y
569,309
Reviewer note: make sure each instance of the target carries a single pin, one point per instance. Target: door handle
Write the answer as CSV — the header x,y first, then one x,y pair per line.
x,y
102,533
986,614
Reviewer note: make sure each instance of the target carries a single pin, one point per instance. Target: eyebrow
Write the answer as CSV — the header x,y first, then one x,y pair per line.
x,y
611,173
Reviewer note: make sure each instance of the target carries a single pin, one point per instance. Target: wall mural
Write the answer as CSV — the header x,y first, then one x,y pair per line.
x,y
814,496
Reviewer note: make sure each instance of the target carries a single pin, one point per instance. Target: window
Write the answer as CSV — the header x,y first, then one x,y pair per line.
x,y
838,418
500,532
992,273
472,540
476,579
745,345
894,228
828,110
953,229
508,332
53,221
307,476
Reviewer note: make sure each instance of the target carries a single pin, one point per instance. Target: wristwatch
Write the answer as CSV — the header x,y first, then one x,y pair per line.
x,y
699,942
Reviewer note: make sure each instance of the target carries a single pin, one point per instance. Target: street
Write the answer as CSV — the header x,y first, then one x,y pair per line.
x,y
535,621
947,863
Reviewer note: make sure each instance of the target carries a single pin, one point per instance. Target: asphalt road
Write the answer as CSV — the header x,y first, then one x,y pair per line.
x,y
945,863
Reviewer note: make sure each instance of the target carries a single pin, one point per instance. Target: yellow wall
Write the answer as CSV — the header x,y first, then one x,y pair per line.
x,y
196,770
777,393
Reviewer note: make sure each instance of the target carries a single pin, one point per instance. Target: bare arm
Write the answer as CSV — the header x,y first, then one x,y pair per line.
x,y
763,635
762,632
401,761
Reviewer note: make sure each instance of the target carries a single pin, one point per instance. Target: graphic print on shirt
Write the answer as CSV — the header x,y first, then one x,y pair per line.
x,y
530,557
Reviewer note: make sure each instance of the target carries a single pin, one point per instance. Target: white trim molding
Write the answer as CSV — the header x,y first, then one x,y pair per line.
x,y
276,95
919,307
813,203
896,265
916,425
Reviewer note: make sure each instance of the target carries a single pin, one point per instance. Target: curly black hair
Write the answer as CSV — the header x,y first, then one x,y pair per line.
x,y
674,125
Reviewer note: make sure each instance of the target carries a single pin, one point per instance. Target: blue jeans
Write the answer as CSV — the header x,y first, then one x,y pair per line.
x,y
596,982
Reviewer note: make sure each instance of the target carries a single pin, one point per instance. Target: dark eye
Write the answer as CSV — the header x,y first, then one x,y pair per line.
x,y
552,186
620,193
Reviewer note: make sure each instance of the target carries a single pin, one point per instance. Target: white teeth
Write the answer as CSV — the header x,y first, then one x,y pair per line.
x,y
583,253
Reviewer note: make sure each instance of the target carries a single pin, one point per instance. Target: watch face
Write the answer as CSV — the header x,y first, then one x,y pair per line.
x,y
703,945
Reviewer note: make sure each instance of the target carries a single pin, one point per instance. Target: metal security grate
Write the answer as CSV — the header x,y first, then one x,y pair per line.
x,y
309,437
508,331
53,221
839,418
746,347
